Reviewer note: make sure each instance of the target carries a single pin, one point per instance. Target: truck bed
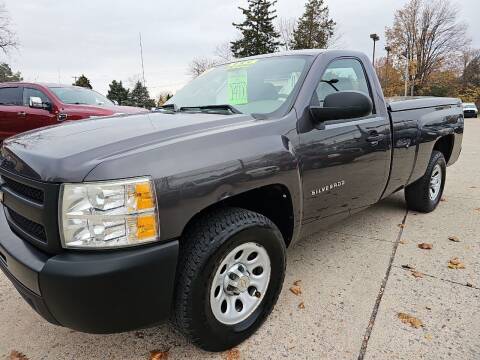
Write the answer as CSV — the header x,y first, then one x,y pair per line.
x,y
403,103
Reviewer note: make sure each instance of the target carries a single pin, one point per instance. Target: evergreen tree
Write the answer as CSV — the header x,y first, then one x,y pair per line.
x,y
7,75
314,28
140,97
258,32
118,93
83,82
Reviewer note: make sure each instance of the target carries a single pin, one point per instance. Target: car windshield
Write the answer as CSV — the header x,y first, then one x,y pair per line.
x,y
256,86
80,96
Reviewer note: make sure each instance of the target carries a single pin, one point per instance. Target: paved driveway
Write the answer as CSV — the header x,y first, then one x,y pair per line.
x,y
354,284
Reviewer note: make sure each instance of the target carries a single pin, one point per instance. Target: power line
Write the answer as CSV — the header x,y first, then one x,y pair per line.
x,y
141,56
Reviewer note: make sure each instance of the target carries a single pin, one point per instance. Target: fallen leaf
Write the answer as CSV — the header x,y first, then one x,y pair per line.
x,y
453,238
297,290
139,335
233,354
417,274
297,282
428,336
425,246
443,199
158,355
15,355
455,263
469,284
403,241
473,187
408,266
411,320
477,209
401,225
428,308
301,305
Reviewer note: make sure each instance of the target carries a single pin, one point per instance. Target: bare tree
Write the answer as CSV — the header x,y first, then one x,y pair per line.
x,y
199,65
224,53
286,27
428,34
8,38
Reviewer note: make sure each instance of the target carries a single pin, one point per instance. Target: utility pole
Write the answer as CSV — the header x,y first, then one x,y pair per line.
x,y
387,49
407,72
375,38
141,56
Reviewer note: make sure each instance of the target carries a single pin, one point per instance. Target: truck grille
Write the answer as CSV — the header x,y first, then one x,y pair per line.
x,y
25,190
31,210
30,227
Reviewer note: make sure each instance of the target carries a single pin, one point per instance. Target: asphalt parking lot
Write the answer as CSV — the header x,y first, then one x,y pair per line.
x,y
355,280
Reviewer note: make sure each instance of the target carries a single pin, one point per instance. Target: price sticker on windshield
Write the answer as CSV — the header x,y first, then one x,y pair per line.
x,y
237,87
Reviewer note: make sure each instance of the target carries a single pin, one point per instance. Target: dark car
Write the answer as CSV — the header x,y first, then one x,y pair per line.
x,y
26,106
120,223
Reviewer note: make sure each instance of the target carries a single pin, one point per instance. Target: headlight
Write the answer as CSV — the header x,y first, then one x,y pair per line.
x,y
108,214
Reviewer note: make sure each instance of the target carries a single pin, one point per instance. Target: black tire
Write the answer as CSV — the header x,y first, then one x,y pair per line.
x,y
417,194
202,249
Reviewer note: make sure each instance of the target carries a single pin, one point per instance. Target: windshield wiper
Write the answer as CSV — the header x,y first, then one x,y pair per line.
x,y
212,108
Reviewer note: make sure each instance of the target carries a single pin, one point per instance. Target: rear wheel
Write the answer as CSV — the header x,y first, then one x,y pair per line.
x,y
425,193
230,273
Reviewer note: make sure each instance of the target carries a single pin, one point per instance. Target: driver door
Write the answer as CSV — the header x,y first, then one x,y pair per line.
x,y
34,117
344,163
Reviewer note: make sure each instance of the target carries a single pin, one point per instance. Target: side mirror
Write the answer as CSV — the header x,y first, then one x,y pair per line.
x,y
37,103
342,105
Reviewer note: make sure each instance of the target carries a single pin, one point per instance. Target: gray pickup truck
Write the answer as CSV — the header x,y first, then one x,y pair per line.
x,y
186,212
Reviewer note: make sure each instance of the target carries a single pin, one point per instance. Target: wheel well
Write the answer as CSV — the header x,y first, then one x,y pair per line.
x,y
272,201
445,146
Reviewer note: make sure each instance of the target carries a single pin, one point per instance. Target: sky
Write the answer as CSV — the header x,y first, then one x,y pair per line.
x,y
61,39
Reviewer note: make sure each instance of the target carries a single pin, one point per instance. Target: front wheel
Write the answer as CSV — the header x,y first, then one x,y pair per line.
x,y
425,193
230,273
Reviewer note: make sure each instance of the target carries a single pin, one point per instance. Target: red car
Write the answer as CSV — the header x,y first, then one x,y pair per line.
x,y
26,106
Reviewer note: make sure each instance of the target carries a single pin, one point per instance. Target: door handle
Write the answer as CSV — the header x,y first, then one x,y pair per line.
x,y
22,113
374,137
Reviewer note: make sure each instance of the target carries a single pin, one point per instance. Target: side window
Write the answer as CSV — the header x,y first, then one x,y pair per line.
x,y
29,92
341,75
11,96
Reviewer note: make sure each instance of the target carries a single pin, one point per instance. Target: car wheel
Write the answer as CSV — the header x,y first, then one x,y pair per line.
x,y
230,273
425,193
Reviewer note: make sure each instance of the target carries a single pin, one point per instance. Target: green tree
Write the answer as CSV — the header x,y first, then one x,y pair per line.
x,y
314,29
83,82
7,75
118,93
258,32
140,97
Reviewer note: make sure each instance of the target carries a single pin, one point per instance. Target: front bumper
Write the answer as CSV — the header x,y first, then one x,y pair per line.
x,y
91,292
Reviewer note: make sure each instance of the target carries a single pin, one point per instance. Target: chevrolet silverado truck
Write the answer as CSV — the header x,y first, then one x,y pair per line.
x,y
26,106
186,213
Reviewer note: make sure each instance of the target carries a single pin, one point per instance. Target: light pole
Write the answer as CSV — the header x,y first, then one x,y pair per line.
x,y
375,38
387,49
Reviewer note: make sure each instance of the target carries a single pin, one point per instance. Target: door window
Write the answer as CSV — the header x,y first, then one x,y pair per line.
x,y
341,75
11,96
29,92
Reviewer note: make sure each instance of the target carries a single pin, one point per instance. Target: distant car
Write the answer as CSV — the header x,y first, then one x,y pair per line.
x,y
470,110
26,106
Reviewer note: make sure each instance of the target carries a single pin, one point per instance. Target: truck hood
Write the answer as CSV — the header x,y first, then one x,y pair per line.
x,y
69,151
92,110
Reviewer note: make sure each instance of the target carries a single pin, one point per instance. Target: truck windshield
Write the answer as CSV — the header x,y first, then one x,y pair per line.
x,y
256,86
80,96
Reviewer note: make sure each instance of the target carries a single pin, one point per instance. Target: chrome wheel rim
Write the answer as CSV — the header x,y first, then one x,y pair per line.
x,y
240,283
435,182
